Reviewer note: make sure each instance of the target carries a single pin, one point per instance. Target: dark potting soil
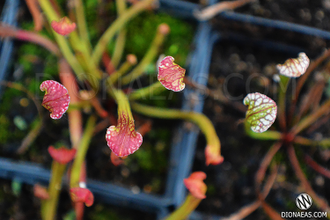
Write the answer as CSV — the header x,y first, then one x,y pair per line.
x,y
314,13
309,13
236,71
144,171
240,66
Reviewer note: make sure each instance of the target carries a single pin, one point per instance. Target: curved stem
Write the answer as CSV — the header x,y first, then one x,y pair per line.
x,y
304,77
311,100
64,45
123,103
148,57
36,14
153,89
74,115
200,120
267,135
8,31
283,86
274,215
265,163
248,209
325,143
318,168
303,141
121,38
112,79
81,23
116,26
307,121
321,203
81,152
81,49
49,208
189,205
119,48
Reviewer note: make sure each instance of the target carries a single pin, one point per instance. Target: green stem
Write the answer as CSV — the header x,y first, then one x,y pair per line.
x,y
200,120
79,105
81,152
124,68
93,73
189,205
123,103
283,86
267,135
153,89
307,121
324,143
50,206
119,48
62,42
81,49
148,57
121,38
81,23
116,26
304,141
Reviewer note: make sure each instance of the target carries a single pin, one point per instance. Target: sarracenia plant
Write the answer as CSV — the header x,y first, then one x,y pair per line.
x,y
293,123
79,62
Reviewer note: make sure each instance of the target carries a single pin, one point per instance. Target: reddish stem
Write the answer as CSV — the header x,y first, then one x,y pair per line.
x,y
304,182
7,31
318,124
312,100
75,122
101,126
265,163
271,212
248,209
260,176
318,168
302,141
36,14
79,207
56,7
107,63
145,128
116,160
75,116
98,107
303,79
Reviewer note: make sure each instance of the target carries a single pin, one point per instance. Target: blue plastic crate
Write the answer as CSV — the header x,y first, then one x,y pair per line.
x,y
8,16
180,162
